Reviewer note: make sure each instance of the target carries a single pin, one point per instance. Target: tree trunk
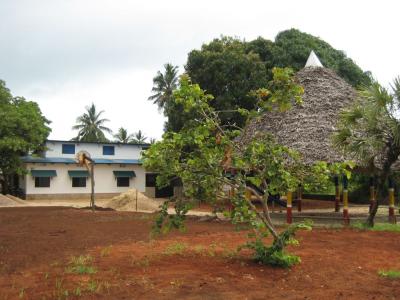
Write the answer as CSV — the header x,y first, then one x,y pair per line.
x,y
370,222
391,157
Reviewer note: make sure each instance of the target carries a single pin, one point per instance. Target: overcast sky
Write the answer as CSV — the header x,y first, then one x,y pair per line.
x,y
66,54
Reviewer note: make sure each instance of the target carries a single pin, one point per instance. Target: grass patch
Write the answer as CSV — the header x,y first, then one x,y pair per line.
x,y
60,292
21,293
106,251
392,274
81,265
175,249
378,227
92,286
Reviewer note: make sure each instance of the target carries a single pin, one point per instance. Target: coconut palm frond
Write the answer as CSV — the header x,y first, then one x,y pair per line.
x,y
163,85
90,126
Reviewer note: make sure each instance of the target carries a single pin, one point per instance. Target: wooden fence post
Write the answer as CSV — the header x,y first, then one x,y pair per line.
x,y
337,194
392,217
346,219
289,207
299,197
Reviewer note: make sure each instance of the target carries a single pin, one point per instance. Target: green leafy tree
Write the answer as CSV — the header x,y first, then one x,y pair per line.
x,y
163,85
91,126
122,136
207,158
227,71
139,138
292,48
369,132
230,69
23,130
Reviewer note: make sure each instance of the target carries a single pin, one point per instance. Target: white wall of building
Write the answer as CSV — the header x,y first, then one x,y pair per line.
x,y
122,151
105,181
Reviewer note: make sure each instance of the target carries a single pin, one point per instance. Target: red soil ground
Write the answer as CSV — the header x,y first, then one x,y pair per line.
x,y
37,243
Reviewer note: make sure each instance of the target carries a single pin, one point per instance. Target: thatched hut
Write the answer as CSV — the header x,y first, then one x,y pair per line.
x,y
308,127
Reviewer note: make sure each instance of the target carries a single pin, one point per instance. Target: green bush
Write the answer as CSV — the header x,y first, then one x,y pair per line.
x,y
275,255
81,265
392,274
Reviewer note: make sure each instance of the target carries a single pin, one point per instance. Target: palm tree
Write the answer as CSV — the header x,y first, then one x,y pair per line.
x,y
139,138
164,85
91,126
122,136
153,141
370,133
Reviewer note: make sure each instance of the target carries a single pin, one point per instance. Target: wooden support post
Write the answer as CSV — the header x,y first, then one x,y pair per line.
x,y
371,192
92,203
299,197
136,198
392,217
346,219
337,194
289,207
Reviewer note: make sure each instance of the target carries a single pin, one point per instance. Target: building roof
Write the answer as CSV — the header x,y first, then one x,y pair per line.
x,y
103,143
308,127
313,61
64,160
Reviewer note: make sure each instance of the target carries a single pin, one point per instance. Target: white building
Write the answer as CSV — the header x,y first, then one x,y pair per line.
x,y
55,174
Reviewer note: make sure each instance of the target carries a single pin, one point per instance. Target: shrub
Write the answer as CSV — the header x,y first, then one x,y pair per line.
x,y
81,265
275,255
392,274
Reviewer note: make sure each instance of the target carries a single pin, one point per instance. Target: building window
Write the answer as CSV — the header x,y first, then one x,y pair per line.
x,y
123,181
108,150
42,182
68,148
78,181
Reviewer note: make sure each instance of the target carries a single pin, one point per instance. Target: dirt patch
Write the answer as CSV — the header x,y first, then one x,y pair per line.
x,y
37,244
133,200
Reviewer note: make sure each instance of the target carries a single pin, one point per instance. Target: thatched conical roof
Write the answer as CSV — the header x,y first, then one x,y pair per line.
x,y
308,128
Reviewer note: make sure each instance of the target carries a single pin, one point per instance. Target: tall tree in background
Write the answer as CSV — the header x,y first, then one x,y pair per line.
x,y
139,138
225,69
123,136
163,85
292,48
230,69
23,129
369,131
91,126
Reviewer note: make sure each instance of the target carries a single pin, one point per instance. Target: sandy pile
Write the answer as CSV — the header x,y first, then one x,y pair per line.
x,y
16,199
127,202
10,201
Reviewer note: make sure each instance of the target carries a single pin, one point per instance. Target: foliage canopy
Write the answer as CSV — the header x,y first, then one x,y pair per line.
x,y
369,131
231,69
90,126
23,129
206,158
